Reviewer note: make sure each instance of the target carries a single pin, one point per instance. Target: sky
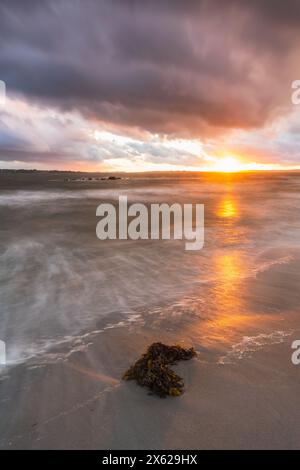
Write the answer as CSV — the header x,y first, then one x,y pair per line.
x,y
120,85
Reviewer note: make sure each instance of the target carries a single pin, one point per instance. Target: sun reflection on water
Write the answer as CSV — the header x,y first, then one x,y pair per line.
x,y
229,269
227,208
228,314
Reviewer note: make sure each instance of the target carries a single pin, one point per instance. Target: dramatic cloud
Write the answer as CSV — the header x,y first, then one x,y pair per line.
x,y
153,69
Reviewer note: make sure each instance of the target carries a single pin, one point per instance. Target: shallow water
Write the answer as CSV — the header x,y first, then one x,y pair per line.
x,y
59,283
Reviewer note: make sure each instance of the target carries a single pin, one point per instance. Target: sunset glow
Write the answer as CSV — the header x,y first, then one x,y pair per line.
x,y
229,165
139,109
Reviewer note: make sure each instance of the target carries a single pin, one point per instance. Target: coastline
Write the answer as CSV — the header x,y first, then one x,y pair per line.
x,y
78,313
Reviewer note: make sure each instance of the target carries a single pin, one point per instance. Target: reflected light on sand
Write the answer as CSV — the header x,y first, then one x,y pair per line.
x,y
94,375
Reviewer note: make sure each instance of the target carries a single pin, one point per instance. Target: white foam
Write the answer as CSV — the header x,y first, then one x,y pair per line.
x,y
269,264
251,344
26,197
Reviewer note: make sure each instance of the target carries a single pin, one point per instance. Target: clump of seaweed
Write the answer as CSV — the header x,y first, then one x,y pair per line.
x,y
152,370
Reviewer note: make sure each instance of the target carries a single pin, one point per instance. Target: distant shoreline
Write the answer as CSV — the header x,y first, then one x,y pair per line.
x,y
160,172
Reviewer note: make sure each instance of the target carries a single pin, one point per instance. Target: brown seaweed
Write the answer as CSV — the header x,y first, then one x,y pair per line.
x,y
152,369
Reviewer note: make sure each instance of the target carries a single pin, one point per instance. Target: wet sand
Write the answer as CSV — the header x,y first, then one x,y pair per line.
x,y
82,404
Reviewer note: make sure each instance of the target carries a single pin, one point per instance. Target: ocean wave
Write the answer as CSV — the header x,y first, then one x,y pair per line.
x,y
51,351
24,197
252,344
269,264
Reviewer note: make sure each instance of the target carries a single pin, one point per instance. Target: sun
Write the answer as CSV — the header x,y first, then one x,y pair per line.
x,y
228,165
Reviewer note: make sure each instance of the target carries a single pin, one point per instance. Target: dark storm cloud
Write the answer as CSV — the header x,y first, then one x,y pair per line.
x,y
28,156
181,67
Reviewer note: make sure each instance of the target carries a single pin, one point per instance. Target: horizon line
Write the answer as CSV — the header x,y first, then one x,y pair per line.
x,y
263,170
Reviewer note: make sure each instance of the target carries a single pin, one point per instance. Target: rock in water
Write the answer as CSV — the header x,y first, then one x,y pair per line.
x,y
152,369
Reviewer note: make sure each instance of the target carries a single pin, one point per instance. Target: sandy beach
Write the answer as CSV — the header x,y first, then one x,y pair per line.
x,y
81,402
